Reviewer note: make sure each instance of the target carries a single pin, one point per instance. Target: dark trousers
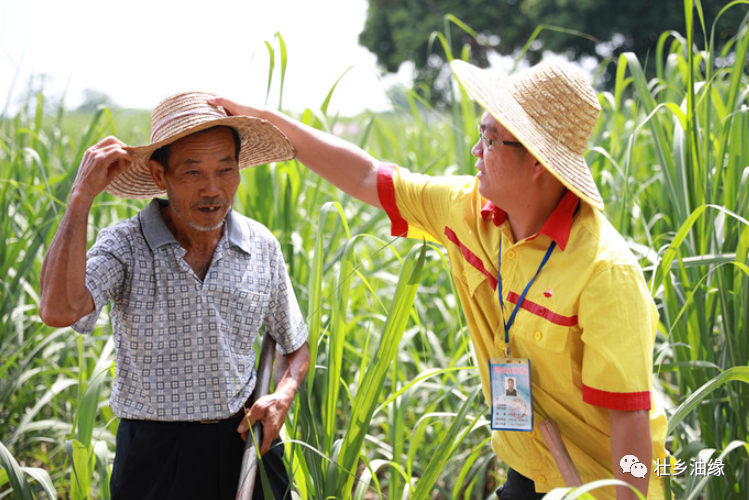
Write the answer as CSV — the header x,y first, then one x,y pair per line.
x,y
518,487
186,460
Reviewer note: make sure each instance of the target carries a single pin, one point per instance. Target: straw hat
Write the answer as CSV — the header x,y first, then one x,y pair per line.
x,y
551,109
183,114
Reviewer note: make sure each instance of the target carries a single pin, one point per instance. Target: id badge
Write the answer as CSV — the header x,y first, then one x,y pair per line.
x,y
512,401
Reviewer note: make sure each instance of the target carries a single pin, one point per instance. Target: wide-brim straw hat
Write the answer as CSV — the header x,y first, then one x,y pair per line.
x,y
186,113
551,109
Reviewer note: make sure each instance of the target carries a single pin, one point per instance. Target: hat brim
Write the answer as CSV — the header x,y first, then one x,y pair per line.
x,y
496,96
261,143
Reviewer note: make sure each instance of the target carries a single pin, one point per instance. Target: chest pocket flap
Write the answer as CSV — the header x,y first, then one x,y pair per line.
x,y
473,278
546,345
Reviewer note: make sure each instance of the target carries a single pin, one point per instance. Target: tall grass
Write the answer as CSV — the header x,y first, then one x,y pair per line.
x,y
674,147
390,408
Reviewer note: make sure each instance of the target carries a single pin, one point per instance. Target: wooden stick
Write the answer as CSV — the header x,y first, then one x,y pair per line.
x,y
248,472
550,432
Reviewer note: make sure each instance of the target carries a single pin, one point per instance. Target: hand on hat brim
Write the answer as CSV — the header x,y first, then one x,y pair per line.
x,y
101,163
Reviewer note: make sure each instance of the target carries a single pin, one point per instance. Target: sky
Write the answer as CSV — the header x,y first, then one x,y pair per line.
x,y
141,51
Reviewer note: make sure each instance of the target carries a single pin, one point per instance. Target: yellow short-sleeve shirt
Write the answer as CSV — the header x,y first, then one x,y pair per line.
x,y
587,323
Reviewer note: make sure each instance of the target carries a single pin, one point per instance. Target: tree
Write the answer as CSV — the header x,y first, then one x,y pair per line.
x,y
93,98
397,31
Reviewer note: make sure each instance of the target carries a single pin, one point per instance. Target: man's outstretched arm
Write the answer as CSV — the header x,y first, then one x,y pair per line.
x,y
64,296
346,166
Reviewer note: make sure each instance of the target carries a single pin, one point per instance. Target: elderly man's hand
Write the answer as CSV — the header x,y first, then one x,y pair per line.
x,y
271,411
101,163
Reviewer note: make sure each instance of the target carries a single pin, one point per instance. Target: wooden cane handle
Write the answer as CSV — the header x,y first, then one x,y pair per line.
x,y
553,438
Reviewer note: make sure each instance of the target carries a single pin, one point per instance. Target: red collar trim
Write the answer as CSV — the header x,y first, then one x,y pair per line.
x,y
557,226
498,215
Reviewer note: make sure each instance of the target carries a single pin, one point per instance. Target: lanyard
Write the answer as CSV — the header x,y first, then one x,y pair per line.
x,y
522,296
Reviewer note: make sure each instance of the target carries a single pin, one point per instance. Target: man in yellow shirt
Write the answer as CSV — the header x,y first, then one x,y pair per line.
x,y
550,291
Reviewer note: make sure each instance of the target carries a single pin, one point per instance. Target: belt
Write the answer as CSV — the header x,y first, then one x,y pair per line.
x,y
239,413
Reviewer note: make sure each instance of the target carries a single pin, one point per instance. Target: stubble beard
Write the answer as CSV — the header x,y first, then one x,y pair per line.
x,y
222,204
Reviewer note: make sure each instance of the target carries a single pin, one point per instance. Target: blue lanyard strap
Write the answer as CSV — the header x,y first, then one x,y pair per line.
x,y
508,325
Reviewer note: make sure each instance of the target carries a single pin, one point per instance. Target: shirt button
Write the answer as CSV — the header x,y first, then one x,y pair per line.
x,y
541,479
510,254
539,335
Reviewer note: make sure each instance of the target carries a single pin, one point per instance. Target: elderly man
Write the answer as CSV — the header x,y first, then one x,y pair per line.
x,y
551,293
191,284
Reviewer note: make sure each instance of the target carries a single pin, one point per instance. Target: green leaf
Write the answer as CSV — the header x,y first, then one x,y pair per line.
x,y
447,445
326,102
42,477
284,61
371,385
80,480
89,404
17,481
271,66
739,373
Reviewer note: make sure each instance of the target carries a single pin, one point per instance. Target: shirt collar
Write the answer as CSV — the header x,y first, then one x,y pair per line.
x,y
238,234
157,234
557,226
154,229
498,215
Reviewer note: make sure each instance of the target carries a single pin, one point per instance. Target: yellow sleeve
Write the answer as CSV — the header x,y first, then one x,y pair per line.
x,y
618,320
418,205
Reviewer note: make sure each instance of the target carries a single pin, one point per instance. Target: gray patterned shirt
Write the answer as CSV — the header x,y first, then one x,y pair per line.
x,y
184,346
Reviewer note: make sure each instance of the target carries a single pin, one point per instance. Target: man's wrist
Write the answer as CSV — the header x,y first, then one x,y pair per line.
x,y
288,393
80,200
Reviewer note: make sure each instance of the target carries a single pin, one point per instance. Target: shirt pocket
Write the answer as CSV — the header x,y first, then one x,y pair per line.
x,y
546,345
473,278
249,315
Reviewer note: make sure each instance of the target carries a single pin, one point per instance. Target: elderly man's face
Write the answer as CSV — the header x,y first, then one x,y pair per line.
x,y
201,179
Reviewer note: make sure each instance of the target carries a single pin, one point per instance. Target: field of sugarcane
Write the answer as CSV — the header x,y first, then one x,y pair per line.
x,y
392,408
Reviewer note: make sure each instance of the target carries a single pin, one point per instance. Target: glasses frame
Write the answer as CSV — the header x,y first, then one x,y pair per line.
x,y
486,142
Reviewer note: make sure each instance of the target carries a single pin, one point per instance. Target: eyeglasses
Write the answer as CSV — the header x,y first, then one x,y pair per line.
x,y
486,142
